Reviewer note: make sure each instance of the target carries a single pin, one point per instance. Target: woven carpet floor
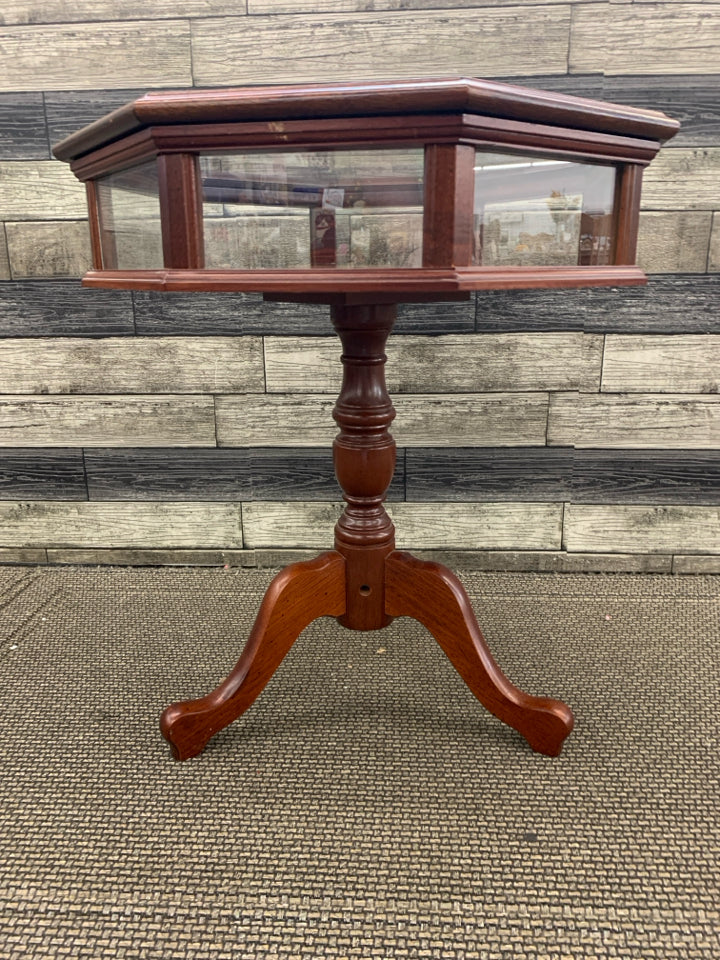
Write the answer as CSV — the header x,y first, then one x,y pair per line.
x,y
367,805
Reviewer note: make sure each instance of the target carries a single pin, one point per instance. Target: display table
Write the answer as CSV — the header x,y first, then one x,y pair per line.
x,y
362,196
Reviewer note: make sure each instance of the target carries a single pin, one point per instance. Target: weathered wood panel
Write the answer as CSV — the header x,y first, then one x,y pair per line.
x,y
67,111
487,363
548,474
20,555
141,421
672,421
693,100
22,127
425,420
79,11
487,41
227,474
668,304
150,557
638,529
42,475
548,561
256,7
63,309
4,259
706,564
92,55
39,189
679,364
499,526
57,249
62,524
714,254
683,179
674,242
178,365
682,38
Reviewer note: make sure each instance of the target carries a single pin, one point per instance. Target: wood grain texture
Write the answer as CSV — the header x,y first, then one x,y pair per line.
x,y
226,474
40,189
668,304
333,46
63,309
683,179
42,475
62,524
57,249
699,564
714,253
423,420
23,555
678,364
68,111
487,363
112,54
171,365
630,39
83,11
639,529
675,242
670,421
145,421
22,127
257,7
547,474
154,557
548,561
462,526
4,258
693,100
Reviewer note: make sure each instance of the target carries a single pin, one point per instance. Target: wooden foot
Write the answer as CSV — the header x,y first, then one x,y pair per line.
x,y
298,595
433,595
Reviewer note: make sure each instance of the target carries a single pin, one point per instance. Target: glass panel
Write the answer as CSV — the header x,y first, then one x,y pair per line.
x,y
130,230
321,208
535,211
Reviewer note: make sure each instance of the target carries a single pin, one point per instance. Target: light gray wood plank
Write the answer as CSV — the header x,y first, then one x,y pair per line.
x,y
4,258
23,555
40,189
91,55
714,254
670,421
256,7
484,41
674,242
417,364
58,524
83,11
678,364
699,564
471,420
683,178
141,421
636,529
459,526
659,38
57,249
177,365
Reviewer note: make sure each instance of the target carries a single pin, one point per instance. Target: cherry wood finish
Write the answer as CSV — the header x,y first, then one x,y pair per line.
x,y
365,582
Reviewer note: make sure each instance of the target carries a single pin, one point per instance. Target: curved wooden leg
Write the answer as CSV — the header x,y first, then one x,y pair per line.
x,y
433,595
298,595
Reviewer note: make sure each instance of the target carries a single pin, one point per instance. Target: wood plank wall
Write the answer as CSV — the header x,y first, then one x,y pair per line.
x,y
537,430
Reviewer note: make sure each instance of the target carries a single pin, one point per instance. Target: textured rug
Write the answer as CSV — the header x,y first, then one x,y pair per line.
x,y
367,805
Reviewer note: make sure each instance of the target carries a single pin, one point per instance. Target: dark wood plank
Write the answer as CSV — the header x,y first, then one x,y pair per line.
x,y
693,100
217,475
70,110
670,303
551,474
63,309
32,474
231,314
22,127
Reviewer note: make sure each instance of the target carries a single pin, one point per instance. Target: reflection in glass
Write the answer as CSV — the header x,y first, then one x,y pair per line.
x,y
323,208
130,229
535,211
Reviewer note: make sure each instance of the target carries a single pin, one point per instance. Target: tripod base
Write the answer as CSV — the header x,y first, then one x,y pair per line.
x,y
414,588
